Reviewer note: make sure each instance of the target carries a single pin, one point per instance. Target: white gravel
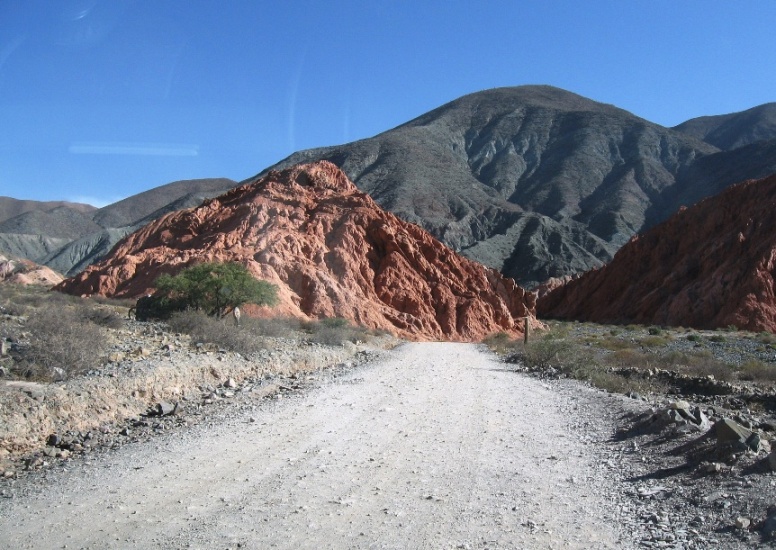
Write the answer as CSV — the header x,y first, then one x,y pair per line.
x,y
438,446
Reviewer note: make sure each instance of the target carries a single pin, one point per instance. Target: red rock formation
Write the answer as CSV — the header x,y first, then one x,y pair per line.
x,y
331,250
711,265
25,272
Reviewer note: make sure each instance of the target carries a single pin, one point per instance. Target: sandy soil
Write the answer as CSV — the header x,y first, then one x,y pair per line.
x,y
438,446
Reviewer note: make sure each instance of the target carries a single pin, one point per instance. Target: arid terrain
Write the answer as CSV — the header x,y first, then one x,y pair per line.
x,y
319,441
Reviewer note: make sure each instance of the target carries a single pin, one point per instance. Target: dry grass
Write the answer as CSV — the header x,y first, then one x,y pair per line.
x,y
63,342
221,332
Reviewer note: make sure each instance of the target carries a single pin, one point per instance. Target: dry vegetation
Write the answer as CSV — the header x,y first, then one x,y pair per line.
x,y
640,359
53,336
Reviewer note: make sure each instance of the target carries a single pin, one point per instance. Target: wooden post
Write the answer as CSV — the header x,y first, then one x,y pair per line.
x,y
526,330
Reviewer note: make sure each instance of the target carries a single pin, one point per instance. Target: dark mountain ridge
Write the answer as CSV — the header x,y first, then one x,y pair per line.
x,y
533,180
736,129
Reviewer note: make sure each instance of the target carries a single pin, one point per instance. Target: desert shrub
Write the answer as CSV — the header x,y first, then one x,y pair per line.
x,y
216,287
498,342
757,371
613,344
100,316
717,338
629,358
334,331
694,337
62,338
273,327
655,331
221,332
766,337
655,341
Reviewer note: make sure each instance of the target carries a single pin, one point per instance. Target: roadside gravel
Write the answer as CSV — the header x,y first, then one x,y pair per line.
x,y
437,446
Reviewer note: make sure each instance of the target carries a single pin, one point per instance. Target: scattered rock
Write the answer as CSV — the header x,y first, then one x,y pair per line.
x,y
163,408
728,432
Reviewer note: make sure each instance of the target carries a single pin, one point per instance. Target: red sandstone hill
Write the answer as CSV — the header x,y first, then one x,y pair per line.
x,y
330,249
708,266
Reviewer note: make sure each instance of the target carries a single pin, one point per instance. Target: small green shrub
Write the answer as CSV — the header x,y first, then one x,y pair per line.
x,y
694,337
655,331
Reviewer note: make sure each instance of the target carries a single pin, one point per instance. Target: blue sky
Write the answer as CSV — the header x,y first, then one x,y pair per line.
x,y
100,100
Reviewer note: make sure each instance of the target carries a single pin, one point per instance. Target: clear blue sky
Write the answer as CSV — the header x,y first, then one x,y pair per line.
x,y
103,99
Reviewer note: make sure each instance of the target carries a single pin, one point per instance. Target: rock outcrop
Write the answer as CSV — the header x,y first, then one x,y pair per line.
x,y
331,250
25,272
712,265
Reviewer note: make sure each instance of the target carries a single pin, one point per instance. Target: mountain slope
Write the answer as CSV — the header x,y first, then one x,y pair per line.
x,y
711,265
69,237
736,129
10,208
585,174
333,253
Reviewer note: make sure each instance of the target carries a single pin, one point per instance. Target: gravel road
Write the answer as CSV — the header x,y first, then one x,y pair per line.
x,y
438,446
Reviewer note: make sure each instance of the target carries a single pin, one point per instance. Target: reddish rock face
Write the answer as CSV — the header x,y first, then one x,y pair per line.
x,y
709,266
332,252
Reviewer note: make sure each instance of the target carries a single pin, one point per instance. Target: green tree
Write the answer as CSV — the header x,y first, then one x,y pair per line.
x,y
216,288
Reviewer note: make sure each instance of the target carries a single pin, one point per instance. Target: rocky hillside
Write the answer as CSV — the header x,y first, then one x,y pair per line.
x,y
534,181
68,237
332,251
712,265
736,129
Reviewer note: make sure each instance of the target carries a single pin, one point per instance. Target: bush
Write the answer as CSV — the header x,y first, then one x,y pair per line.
x,y
757,371
498,342
216,288
62,338
334,331
223,333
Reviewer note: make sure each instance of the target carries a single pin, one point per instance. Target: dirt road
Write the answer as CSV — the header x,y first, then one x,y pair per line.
x,y
437,447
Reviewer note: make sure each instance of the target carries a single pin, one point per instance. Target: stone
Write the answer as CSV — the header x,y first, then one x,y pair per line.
x,y
742,522
116,357
727,431
768,425
708,266
58,374
53,440
331,251
772,460
230,383
164,408
5,347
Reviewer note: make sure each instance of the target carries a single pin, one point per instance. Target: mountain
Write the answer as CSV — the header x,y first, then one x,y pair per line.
x,y
332,251
10,208
734,130
534,181
711,265
68,237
